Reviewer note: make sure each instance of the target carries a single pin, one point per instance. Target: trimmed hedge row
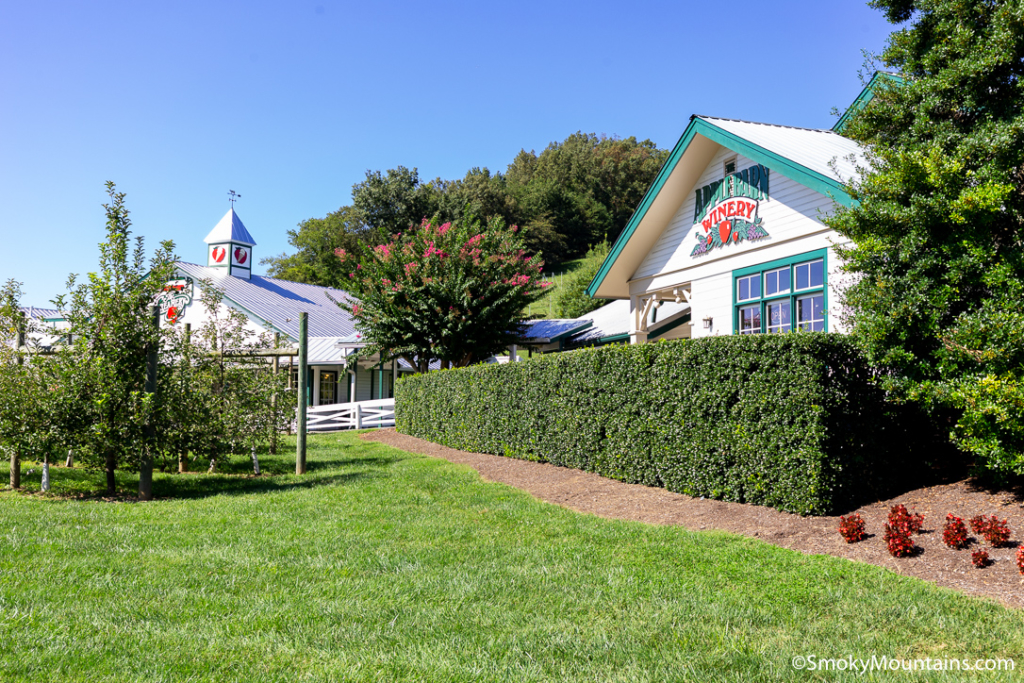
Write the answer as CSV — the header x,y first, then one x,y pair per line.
x,y
790,421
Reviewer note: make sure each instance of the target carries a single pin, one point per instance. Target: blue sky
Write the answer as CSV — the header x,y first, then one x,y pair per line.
x,y
290,103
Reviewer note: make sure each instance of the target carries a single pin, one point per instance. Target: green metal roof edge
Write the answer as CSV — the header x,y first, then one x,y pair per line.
x,y
865,96
816,181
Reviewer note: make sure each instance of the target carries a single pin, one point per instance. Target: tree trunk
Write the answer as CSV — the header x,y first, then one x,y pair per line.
x,y
15,470
213,465
182,466
255,462
46,473
111,461
70,462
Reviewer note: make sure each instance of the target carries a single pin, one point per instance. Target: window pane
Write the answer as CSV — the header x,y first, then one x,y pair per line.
x,y
778,317
749,288
817,273
810,274
776,281
328,382
810,313
750,320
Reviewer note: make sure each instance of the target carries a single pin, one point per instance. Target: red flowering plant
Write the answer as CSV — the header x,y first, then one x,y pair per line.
x,y
979,558
995,531
453,292
1020,559
852,528
898,531
954,533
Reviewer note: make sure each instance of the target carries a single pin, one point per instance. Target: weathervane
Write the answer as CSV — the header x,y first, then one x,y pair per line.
x,y
233,197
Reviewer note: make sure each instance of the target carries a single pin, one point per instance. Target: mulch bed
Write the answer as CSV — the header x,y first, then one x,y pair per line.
x,y
593,494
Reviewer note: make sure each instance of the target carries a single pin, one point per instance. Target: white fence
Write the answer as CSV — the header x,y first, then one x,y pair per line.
x,y
356,415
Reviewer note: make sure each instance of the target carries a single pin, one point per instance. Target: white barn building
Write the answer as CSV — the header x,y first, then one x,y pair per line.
x,y
273,305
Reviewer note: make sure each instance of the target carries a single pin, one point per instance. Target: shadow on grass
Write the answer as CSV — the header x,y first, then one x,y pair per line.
x,y
187,486
330,464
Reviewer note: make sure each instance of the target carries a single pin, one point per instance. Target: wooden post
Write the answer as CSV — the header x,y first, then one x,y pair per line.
x,y
300,440
15,469
182,455
359,416
146,464
275,367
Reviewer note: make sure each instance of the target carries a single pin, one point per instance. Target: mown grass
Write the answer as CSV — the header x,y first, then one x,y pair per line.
x,y
380,565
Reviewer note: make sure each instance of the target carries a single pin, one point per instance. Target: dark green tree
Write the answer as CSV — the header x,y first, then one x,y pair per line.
x,y
316,240
938,247
390,202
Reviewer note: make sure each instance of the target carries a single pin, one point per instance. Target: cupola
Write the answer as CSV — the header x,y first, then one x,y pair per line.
x,y
230,247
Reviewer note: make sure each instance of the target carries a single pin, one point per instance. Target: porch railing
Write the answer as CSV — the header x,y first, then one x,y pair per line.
x,y
355,415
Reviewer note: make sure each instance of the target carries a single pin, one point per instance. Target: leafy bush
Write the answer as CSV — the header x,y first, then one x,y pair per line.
x,y
789,421
954,533
899,529
852,528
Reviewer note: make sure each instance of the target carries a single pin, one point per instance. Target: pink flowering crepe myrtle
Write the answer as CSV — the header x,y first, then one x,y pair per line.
x,y
454,292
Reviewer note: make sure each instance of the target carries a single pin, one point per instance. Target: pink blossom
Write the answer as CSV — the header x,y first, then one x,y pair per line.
x,y
359,266
544,285
444,228
383,249
339,252
474,240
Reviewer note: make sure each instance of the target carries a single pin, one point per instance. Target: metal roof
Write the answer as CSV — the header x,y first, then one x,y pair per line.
x,y
230,229
815,149
551,329
279,302
37,313
612,320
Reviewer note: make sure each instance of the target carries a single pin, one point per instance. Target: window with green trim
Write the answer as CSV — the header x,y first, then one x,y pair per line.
x,y
781,296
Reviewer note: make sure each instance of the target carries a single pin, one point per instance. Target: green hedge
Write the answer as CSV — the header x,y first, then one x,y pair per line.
x,y
790,421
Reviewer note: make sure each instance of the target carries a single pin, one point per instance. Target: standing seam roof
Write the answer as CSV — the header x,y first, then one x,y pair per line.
x,y
279,302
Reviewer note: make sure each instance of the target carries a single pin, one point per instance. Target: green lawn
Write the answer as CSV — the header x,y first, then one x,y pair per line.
x,y
381,565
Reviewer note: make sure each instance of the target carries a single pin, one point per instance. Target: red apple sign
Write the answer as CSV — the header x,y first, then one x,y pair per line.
x,y
218,254
240,256
724,228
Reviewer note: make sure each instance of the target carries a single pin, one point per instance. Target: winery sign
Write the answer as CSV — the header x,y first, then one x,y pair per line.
x,y
175,297
726,211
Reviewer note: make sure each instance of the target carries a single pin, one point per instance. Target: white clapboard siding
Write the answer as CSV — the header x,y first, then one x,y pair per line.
x,y
787,213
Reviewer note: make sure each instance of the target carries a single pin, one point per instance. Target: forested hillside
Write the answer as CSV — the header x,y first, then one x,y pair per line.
x,y
572,196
